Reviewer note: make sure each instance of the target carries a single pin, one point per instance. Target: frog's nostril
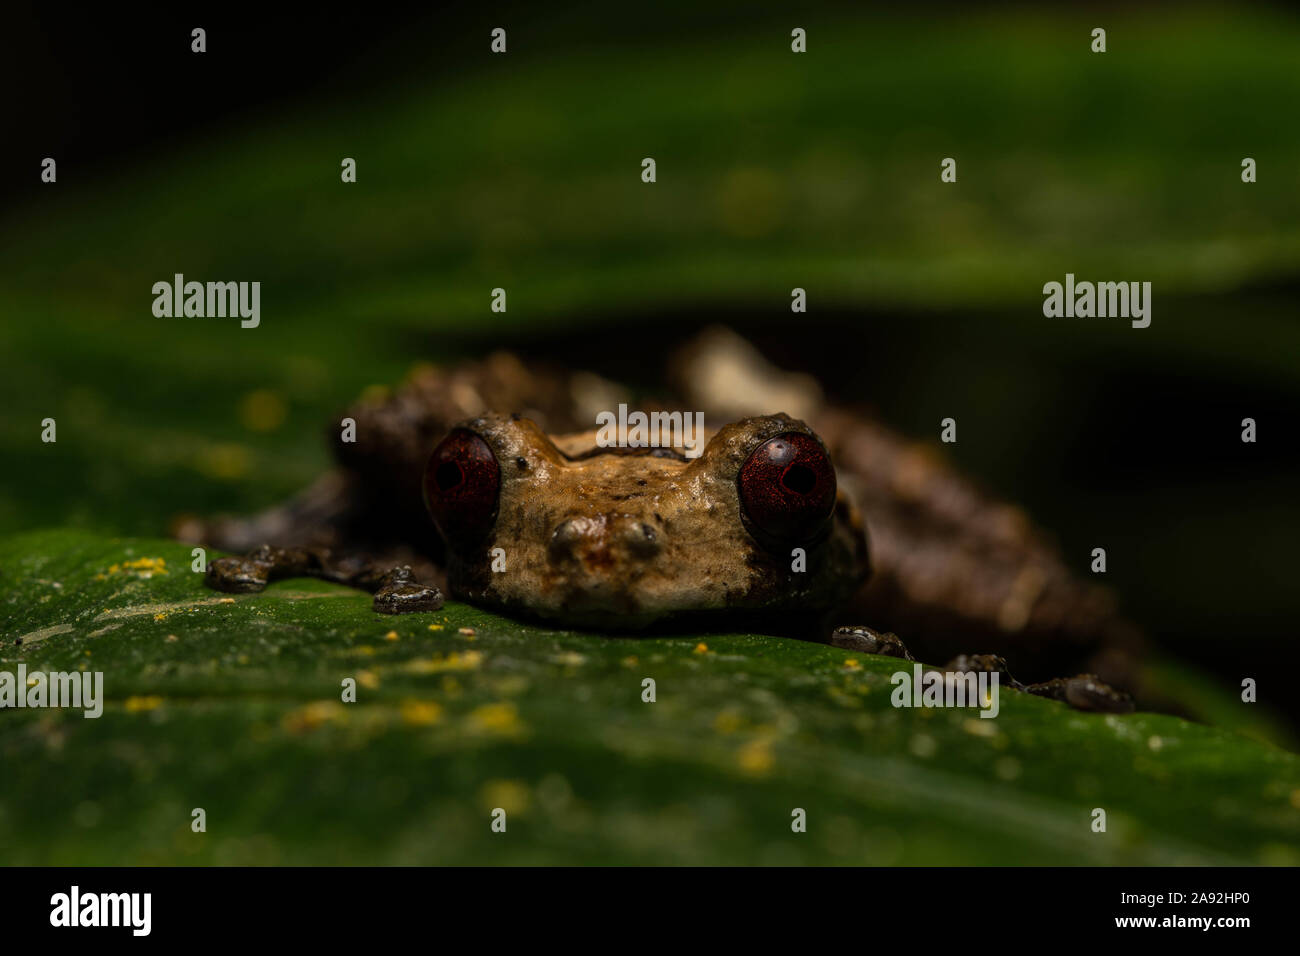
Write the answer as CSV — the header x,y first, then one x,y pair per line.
x,y
568,534
603,536
565,533
642,540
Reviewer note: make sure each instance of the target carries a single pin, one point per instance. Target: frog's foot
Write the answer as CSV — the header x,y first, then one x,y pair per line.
x,y
1085,692
982,664
237,575
253,571
396,591
400,593
870,641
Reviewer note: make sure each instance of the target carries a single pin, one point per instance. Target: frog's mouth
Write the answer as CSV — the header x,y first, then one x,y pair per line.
x,y
619,612
622,572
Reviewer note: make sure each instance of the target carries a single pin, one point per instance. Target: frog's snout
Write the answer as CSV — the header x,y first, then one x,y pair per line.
x,y
603,539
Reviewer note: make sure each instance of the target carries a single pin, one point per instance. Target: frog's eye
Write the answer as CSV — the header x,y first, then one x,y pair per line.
x,y
461,482
787,487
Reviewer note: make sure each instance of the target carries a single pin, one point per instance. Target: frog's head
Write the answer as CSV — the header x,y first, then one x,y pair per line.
x,y
618,537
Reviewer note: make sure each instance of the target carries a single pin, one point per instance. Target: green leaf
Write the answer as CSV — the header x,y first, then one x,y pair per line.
x,y
232,704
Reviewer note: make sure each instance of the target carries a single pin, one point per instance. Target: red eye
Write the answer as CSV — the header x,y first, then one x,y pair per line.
x,y
461,482
787,487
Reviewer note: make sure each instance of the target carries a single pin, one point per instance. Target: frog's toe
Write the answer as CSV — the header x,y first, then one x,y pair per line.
x,y
869,641
237,575
1085,692
978,664
406,598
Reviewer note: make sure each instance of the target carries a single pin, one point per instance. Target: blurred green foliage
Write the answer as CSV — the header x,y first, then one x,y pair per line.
x,y
233,705
774,170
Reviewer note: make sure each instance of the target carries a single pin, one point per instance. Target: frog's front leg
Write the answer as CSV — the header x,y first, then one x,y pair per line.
x,y
870,641
1082,692
395,589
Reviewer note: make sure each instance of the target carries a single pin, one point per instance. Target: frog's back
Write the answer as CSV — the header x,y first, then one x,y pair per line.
x,y
953,568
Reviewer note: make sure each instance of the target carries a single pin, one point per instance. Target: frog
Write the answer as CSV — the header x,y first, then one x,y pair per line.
x,y
567,530
484,479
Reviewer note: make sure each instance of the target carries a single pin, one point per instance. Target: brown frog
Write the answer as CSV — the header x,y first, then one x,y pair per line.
x,y
766,525
574,532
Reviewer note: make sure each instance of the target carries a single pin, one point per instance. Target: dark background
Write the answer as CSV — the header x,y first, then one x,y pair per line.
x,y
1109,436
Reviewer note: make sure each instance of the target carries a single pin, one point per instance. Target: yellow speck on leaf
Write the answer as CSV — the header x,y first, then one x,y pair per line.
x,y
421,713
728,721
701,648
262,410
390,636
512,796
435,627
502,718
143,568
312,715
368,679
852,664
455,661
135,705
842,697
756,757
630,661
224,460
979,727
